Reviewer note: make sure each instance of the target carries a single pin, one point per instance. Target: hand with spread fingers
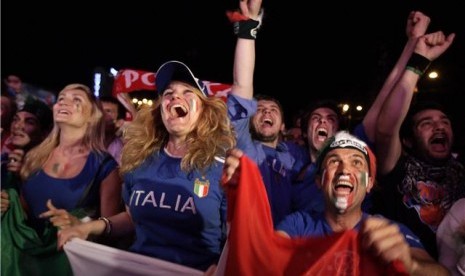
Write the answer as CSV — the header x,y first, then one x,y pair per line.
x,y
59,217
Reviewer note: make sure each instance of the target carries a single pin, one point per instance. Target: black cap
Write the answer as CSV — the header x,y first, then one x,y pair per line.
x,y
41,110
176,70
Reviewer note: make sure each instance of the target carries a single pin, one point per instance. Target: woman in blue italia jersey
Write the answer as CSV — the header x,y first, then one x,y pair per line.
x,y
172,163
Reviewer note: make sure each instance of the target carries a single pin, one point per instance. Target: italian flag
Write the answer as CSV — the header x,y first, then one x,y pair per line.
x,y
201,190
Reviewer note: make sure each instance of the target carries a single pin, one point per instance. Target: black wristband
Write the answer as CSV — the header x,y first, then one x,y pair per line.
x,y
246,28
418,63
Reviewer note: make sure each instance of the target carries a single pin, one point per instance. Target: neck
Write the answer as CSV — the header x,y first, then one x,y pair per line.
x,y
70,145
72,132
313,154
176,148
273,144
345,221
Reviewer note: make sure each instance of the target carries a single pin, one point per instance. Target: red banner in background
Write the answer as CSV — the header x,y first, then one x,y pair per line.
x,y
129,80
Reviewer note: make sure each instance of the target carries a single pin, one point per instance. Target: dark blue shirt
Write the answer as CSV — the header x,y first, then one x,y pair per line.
x,y
178,217
302,224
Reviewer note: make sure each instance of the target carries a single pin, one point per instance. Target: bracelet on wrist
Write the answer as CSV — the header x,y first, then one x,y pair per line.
x,y
414,70
418,64
108,226
245,27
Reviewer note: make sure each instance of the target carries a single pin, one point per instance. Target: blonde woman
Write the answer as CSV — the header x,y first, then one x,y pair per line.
x,y
172,164
69,171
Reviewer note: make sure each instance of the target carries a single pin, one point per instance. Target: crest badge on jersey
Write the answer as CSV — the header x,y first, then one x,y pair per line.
x,y
201,188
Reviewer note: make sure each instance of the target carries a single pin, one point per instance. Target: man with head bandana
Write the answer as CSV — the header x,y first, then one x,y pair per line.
x,y
346,169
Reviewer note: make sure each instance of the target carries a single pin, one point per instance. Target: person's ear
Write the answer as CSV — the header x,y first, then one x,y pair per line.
x,y
407,142
370,184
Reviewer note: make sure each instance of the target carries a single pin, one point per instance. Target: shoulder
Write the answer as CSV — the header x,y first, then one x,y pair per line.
x,y
297,224
102,161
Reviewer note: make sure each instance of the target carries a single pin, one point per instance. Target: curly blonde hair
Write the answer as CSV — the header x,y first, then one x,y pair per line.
x,y
93,138
212,136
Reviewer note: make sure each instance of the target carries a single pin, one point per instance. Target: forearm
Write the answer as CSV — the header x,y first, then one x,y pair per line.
x,y
122,225
423,264
391,117
110,195
244,65
370,119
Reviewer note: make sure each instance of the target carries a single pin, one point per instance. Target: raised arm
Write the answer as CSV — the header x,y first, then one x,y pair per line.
x,y
395,108
417,23
244,57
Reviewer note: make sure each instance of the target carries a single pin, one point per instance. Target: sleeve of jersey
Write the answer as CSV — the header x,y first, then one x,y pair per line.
x,y
256,249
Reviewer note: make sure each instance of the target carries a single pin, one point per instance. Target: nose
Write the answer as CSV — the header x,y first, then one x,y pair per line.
x,y
343,168
266,111
176,95
439,125
18,124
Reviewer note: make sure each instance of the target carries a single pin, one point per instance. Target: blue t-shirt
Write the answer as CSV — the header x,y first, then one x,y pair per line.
x,y
178,217
302,224
277,165
66,193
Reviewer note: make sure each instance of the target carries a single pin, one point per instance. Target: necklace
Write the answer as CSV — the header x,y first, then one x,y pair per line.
x,y
170,154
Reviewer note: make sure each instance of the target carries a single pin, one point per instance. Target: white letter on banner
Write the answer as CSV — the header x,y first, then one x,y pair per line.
x,y
129,77
145,79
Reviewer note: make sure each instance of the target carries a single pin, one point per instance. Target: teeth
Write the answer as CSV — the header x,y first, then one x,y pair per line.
x,y
178,106
344,181
268,121
345,184
178,110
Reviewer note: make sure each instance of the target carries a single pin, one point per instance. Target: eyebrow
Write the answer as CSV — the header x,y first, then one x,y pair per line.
x,y
442,117
359,155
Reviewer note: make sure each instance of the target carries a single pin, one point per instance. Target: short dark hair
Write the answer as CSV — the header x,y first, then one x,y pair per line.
x,y
325,103
406,130
121,108
263,97
41,110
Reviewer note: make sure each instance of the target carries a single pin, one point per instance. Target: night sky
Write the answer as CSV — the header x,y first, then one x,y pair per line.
x,y
332,50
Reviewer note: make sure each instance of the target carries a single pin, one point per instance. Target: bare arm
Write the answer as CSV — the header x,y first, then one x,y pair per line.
x,y
417,23
121,225
110,194
244,57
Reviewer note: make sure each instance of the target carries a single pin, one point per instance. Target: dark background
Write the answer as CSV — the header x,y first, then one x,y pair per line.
x,y
328,50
